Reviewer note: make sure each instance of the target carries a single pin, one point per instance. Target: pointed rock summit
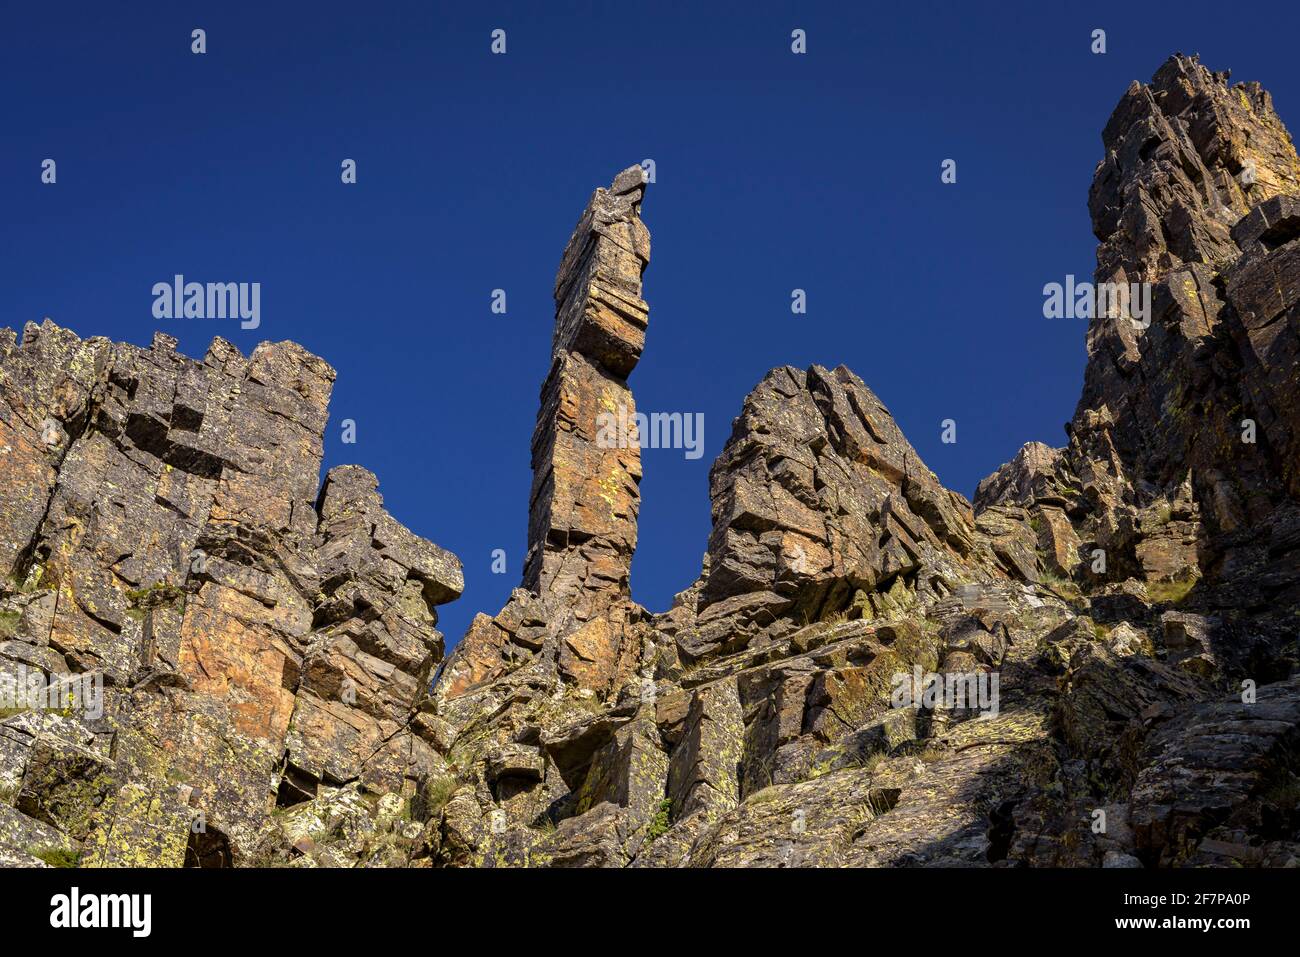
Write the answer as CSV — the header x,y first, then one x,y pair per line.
x,y
1181,465
573,620
586,460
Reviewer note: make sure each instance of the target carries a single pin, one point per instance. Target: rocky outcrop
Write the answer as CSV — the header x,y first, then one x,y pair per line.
x,y
586,456
574,616
758,721
1196,198
1092,665
258,645
822,507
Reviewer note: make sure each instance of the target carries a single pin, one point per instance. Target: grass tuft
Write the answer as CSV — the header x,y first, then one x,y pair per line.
x,y
662,820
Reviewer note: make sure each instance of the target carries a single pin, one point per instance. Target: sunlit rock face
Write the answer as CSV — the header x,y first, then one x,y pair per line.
x,y
257,643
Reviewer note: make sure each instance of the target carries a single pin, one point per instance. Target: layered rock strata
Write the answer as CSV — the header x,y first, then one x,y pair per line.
x,y
583,507
575,609
258,644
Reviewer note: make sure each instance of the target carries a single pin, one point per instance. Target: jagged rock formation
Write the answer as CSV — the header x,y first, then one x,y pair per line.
x,y
1180,465
820,506
757,725
576,597
582,512
258,645
1119,613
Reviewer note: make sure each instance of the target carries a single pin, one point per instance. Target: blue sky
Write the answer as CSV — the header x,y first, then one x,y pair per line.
x,y
774,172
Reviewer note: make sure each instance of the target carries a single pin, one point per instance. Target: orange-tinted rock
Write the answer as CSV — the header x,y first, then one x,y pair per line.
x,y
161,517
586,464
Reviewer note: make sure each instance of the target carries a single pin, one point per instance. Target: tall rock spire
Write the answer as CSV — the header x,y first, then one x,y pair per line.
x,y
574,620
584,501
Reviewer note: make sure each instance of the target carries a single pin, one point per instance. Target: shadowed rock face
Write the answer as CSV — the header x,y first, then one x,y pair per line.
x,y
1196,196
1111,623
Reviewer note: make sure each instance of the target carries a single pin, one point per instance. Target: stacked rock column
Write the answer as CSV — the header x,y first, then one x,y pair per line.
x,y
585,455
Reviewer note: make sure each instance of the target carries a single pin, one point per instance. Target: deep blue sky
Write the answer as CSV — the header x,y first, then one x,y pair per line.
x,y
775,171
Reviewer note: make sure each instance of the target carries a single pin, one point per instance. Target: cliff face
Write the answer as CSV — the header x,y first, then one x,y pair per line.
x,y
1181,463
1119,613
257,643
